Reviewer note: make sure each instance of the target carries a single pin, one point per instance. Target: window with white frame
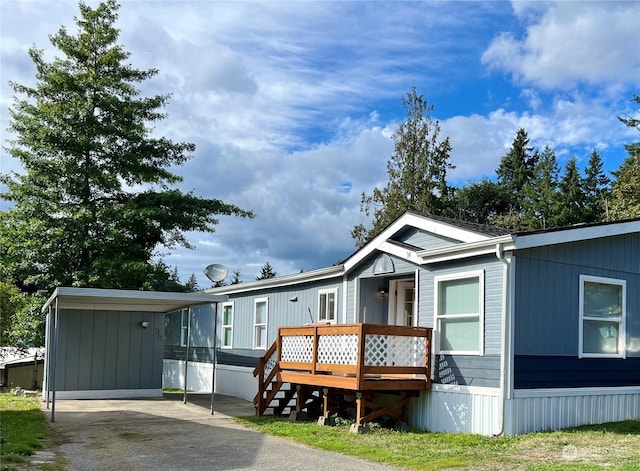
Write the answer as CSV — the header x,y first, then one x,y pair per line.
x,y
184,331
227,325
261,308
327,305
602,317
459,311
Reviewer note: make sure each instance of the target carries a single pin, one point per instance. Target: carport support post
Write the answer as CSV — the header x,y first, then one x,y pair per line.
x,y
215,346
47,362
186,359
55,360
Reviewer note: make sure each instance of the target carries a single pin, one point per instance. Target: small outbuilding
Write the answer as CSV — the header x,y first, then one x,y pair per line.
x,y
106,343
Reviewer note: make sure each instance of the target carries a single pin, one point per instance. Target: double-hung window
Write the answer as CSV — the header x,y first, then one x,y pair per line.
x,y
603,310
227,325
261,311
459,311
327,305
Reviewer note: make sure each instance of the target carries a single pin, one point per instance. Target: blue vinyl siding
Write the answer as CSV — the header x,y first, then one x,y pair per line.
x,y
537,371
281,311
547,292
103,350
467,370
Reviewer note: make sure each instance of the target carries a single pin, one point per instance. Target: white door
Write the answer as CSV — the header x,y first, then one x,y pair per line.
x,y
402,304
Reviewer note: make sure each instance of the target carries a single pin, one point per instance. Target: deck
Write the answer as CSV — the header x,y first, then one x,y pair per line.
x,y
359,359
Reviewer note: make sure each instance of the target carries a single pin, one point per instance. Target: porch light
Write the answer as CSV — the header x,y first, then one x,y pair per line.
x,y
382,293
144,324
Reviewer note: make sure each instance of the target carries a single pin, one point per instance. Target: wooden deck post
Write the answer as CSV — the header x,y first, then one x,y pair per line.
x,y
359,408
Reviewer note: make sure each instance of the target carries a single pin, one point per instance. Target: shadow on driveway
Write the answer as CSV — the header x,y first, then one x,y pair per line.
x,y
165,434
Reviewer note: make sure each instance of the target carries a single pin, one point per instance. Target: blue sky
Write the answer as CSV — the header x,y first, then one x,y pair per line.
x,y
292,105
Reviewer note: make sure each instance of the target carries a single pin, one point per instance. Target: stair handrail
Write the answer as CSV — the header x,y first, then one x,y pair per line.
x,y
259,401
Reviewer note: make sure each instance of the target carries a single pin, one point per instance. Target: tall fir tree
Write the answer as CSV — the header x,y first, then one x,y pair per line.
x,y
597,190
540,202
417,172
266,272
480,202
516,169
625,193
571,197
83,137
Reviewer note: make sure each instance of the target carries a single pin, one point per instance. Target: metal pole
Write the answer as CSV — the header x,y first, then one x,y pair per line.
x,y
47,362
56,330
215,346
186,360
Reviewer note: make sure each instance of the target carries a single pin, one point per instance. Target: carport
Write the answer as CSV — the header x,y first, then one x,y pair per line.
x,y
109,344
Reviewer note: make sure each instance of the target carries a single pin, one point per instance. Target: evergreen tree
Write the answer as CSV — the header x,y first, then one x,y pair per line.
x,y
417,172
571,198
83,137
266,272
480,202
625,194
597,190
540,204
516,169
191,286
235,277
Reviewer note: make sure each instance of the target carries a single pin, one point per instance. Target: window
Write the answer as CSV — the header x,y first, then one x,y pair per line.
x,y
602,317
327,305
459,309
227,325
184,331
260,323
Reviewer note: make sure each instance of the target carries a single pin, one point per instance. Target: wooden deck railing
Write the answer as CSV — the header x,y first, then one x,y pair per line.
x,y
358,350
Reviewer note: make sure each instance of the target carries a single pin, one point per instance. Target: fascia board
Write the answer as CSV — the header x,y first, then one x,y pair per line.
x,y
280,281
400,252
527,241
418,222
470,249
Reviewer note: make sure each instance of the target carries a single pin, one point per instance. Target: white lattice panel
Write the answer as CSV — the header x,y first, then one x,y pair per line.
x,y
270,364
390,350
338,349
297,348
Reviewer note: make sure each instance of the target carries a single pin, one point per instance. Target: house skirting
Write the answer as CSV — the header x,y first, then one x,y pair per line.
x,y
235,381
535,410
105,394
454,409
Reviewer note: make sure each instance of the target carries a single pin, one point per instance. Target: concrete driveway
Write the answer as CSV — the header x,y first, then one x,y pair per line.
x,y
165,434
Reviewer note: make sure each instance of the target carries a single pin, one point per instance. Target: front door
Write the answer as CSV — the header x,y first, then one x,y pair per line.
x,y
402,303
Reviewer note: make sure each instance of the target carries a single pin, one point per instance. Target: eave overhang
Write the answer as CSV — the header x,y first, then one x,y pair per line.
x,y
494,245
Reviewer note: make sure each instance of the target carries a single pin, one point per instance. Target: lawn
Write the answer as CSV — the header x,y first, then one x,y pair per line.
x,y
609,446
24,430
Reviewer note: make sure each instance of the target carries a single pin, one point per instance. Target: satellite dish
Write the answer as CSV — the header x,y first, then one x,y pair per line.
x,y
216,272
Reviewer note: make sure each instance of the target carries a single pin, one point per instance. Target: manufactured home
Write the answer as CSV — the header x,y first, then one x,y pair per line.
x,y
451,326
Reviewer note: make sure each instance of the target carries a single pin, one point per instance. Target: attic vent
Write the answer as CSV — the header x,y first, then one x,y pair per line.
x,y
382,265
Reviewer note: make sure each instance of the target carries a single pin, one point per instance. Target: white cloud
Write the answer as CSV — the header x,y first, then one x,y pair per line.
x,y
570,43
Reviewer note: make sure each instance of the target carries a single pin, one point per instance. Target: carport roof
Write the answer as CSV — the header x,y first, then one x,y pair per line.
x,y
127,300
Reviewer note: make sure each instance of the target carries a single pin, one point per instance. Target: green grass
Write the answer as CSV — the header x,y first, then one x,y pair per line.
x,y
23,428
608,446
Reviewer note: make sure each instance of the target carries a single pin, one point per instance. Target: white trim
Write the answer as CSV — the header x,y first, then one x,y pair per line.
x,y
280,281
461,389
108,394
622,335
526,241
345,287
400,252
223,325
480,315
126,300
562,392
465,250
266,323
326,292
418,222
